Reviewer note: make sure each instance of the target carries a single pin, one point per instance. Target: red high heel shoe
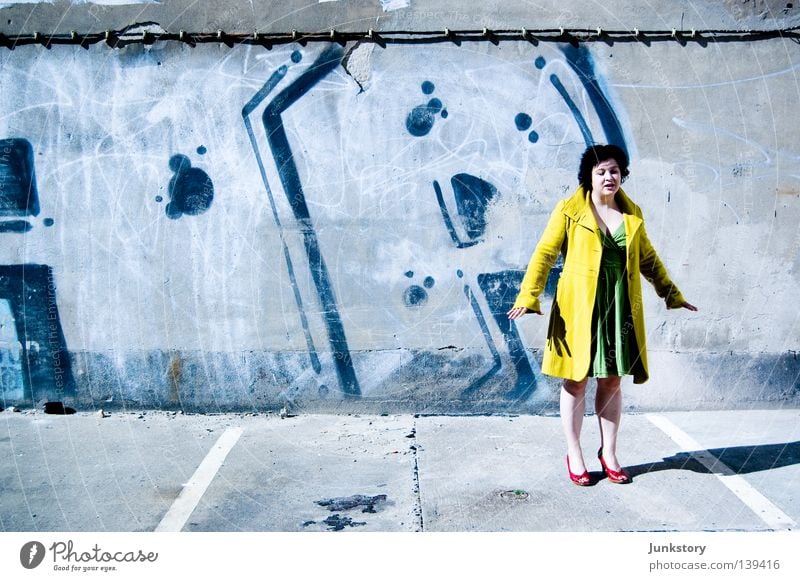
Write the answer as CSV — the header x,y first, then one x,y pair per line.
x,y
620,477
579,479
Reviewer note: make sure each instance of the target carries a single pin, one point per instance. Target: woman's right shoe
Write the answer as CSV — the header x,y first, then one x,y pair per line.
x,y
579,479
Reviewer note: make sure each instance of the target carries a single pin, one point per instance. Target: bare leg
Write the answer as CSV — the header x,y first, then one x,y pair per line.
x,y
608,405
573,405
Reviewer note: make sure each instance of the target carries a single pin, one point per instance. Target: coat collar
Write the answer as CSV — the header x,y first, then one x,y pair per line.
x,y
577,207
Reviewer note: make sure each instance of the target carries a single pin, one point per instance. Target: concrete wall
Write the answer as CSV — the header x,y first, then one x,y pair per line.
x,y
344,227
62,16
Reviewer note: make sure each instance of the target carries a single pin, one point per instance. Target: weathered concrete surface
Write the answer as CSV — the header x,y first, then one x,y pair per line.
x,y
81,472
466,464
360,15
343,228
280,475
438,473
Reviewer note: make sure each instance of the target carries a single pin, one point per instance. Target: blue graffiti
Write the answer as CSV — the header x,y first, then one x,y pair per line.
x,y
464,216
248,110
580,59
283,155
500,290
415,295
18,194
472,199
15,226
523,122
472,195
579,118
191,190
497,363
29,293
421,119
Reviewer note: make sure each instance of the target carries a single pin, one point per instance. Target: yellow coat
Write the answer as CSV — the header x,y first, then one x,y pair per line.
x,y
572,231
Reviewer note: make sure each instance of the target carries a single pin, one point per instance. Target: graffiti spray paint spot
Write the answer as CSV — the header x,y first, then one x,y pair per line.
x,y
297,56
15,227
18,194
523,121
472,200
48,222
191,190
30,325
179,163
435,104
428,282
415,296
540,62
420,121
202,150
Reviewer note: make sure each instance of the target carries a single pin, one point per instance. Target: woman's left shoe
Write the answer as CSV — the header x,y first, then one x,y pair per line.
x,y
620,477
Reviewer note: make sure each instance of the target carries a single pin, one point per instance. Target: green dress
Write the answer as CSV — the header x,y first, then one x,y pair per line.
x,y
614,350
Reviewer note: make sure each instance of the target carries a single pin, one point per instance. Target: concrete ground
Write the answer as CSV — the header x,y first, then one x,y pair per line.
x,y
145,471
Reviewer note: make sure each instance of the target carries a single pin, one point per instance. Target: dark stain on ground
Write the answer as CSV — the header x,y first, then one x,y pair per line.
x,y
337,522
346,503
58,408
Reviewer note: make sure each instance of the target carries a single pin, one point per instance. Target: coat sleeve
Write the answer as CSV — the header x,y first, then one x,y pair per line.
x,y
654,271
542,260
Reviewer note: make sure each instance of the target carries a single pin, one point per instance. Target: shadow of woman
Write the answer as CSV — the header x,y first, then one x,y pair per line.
x,y
734,460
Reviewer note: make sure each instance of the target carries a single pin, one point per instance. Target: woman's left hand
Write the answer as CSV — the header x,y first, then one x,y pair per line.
x,y
689,306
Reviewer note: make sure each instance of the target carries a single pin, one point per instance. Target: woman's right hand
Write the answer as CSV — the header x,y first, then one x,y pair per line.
x,y
519,311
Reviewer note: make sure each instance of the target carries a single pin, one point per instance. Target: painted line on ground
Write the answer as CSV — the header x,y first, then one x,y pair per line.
x,y
193,491
773,516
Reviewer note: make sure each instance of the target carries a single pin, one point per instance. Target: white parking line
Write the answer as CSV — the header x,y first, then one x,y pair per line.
x,y
193,491
755,501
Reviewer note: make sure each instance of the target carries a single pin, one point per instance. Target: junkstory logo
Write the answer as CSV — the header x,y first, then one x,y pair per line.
x,y
67,558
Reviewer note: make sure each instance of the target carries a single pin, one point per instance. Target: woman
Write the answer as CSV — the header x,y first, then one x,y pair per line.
x,y
596,326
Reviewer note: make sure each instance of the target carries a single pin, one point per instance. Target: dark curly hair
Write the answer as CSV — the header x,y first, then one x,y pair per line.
x,y
596,154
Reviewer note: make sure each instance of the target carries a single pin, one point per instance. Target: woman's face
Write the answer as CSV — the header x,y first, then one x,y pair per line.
x,y
606,177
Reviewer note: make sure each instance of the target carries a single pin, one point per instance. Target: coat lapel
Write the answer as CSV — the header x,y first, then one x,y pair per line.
x,y
629,214
578,209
